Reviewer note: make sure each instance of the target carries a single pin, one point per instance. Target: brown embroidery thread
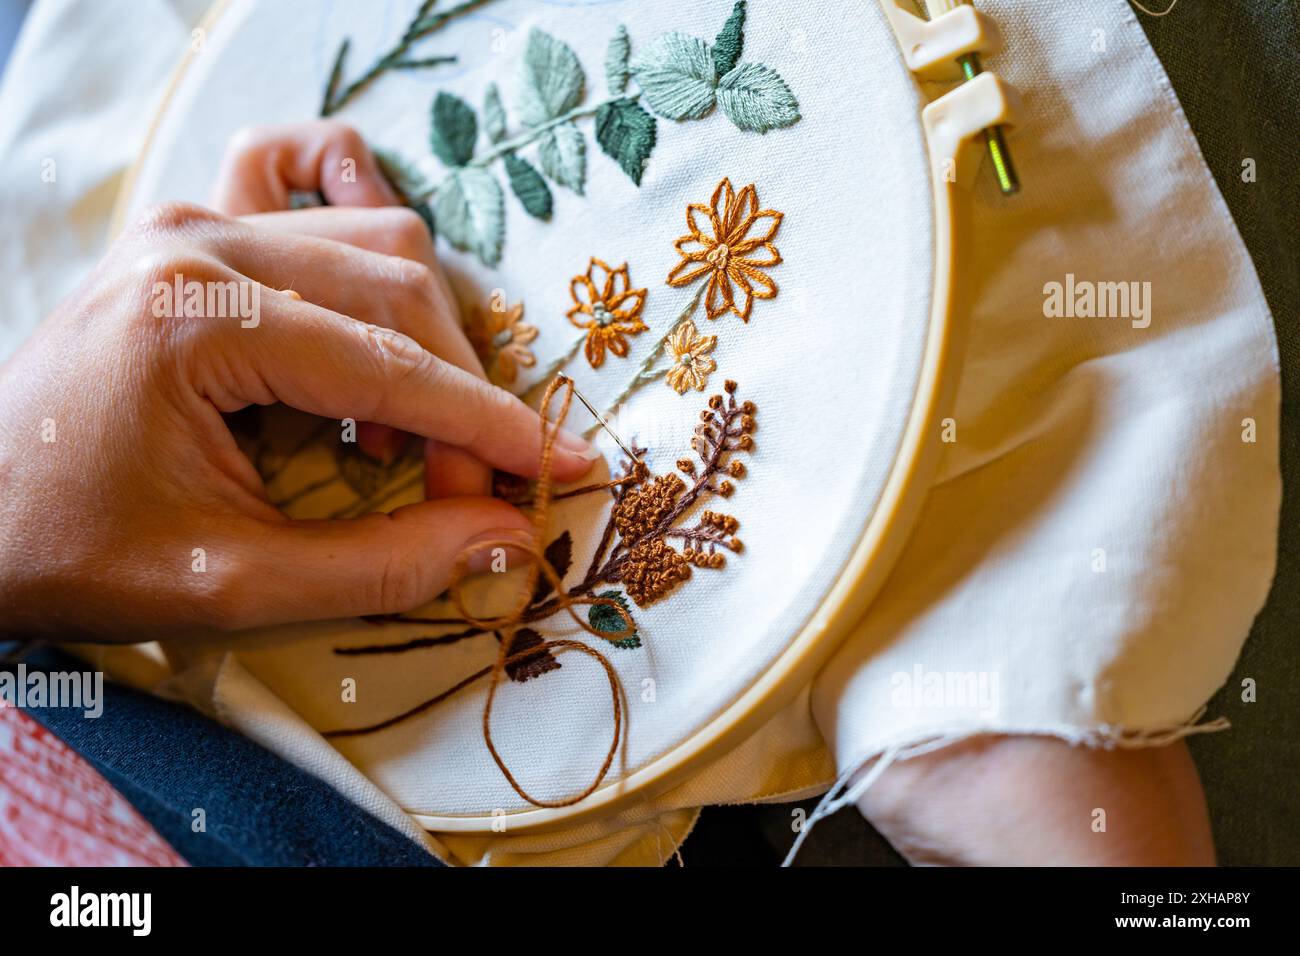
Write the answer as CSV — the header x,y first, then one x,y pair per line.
x,y
507,625
633,551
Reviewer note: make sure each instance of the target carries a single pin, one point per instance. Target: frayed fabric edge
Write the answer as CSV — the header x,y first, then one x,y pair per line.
x,y
847,791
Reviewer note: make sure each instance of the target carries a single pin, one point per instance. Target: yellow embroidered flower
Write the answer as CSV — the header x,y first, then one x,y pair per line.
x,y
607,309
500,339
720,246
691,363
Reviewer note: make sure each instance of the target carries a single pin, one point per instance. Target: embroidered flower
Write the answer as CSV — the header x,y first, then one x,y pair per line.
x,y
720,246
501,338
607,309
691,363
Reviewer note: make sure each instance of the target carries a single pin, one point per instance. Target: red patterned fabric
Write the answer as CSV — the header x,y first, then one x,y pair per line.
x,y
55,810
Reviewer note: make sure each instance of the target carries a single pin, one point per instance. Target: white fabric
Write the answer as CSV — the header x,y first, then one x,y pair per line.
x,y
832,369
1072,434
1083,436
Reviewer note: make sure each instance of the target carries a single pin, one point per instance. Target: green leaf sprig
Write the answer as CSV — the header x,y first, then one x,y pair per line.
x,y
678,76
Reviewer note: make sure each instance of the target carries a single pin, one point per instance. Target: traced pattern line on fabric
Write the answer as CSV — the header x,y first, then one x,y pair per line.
x,y
375,481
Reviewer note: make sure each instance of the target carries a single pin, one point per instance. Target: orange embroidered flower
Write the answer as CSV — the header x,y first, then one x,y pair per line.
x,y
691,364
607,309
721,247
500,339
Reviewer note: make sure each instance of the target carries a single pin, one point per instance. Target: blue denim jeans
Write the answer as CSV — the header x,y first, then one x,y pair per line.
x,y
259,810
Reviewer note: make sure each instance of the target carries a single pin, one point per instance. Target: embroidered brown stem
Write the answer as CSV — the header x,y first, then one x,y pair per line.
x,y
411,645
645,514
726,427
733,424
588,489
407,714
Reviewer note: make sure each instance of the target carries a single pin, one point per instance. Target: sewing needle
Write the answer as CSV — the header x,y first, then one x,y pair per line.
x,y
599,419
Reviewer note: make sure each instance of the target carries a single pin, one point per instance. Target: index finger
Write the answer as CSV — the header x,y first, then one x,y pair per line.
x,y
327,364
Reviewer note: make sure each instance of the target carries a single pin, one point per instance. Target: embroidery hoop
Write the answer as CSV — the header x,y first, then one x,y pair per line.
x,y
951,125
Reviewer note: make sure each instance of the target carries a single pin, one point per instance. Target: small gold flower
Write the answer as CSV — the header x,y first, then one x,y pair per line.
x,y
719,246
607,308
500,339
691,363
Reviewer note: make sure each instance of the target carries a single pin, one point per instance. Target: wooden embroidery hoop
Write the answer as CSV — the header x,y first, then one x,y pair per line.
x,y
951,124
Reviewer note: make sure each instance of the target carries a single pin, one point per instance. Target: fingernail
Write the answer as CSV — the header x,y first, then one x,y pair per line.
x,y
571,441
492,551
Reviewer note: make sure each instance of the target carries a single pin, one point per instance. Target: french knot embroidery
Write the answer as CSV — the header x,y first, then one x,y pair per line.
x,y
607,308
648,515
635,550
728,244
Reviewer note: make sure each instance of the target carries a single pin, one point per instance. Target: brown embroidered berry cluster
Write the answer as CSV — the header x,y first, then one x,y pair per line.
x,y
649,515
636,550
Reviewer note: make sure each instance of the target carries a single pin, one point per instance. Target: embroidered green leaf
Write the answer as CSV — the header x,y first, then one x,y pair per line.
x,y
426,213
559,555
529,186
756,98
616,60
401,174
608,620
626,133
726,48
494,114
469,211
552,79
408,182
563,153
455,128
676,75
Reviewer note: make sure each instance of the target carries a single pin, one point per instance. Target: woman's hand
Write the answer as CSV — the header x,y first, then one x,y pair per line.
x,y
116,465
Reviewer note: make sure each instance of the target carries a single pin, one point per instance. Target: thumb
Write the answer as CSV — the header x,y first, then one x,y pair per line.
x,y
378,564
